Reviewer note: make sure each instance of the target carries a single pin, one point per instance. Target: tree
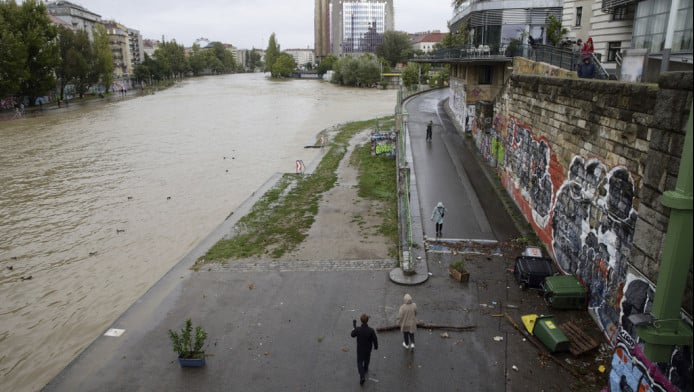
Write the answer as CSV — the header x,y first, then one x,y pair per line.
x,y
171,59
272,53
77,59
396,47
283,66
327,63
253,60
555,33
12,58
102,67
361,71
226,58
456,39
410,75
29,49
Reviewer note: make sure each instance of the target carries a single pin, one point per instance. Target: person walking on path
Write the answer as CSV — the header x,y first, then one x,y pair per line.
x,y
437,217
429,127
366,339
407,318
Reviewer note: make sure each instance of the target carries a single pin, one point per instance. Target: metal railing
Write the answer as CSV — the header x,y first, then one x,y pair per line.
x,y
559,57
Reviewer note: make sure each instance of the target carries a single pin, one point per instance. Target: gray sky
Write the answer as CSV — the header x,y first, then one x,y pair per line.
x,y
249,23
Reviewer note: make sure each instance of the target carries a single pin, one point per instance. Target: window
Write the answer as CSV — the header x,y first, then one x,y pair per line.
x,y
485,74
619,13
613,48
579,15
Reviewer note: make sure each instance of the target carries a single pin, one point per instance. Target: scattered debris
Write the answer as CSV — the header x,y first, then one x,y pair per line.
x,y
345,349
514,367
251,286
27,277
429,326
498,338
444,335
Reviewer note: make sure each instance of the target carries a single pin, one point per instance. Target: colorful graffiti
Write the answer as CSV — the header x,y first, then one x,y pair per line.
x,y
632,371
593,230
383,143
528,163
638,299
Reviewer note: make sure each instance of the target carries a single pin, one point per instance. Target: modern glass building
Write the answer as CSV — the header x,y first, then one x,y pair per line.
x,y
357,26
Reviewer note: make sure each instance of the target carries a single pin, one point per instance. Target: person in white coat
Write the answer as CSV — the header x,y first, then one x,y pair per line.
x,y
437,217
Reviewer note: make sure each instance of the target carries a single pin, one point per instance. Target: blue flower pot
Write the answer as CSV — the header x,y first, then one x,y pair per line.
x,y
192,362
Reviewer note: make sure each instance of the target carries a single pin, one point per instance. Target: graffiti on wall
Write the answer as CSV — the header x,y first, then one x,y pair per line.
x,y
528,161
629,363
383,143
593,230
457,101
632,371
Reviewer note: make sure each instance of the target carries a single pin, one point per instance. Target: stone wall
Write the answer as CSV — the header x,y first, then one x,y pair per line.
x,y
587,162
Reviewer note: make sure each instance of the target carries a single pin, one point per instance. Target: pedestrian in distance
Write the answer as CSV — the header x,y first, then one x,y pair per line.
x,y
588,48
429,127
366,339
407,318
437,217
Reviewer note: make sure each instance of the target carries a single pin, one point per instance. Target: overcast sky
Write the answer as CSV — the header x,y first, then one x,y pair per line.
x,y
249,23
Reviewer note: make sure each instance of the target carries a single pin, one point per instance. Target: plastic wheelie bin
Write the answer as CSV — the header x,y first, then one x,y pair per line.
x,y
550,334
565,292
532,271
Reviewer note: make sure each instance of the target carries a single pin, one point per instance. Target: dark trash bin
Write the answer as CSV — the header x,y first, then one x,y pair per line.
x,y
549,333
532,271
565,292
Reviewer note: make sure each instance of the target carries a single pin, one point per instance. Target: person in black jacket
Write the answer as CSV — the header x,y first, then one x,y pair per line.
x,y
366,338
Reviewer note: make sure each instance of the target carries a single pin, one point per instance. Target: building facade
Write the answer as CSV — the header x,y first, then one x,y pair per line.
x,y
496,23
302,57
77,16
120,48
351,26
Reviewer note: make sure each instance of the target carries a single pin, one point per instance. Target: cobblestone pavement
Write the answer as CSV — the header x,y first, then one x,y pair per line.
x,y
261,265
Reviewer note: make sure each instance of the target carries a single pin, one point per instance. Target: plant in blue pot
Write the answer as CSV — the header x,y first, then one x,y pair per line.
x,y
188,344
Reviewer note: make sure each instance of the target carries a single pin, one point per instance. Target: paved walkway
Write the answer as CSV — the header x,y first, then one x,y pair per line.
x,y
276,327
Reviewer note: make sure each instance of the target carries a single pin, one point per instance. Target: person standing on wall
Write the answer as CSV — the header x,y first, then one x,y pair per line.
x,y
366,339
586,70
407,318
588,48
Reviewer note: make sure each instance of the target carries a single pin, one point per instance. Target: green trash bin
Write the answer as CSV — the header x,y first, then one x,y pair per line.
x,y
550,334
565,292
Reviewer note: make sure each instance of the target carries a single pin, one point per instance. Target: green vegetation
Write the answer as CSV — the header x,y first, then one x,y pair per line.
x,y
555,33
280,220
272,53
458,265
396,47
361,71
377,181
29,52
284,66
415,74
186,343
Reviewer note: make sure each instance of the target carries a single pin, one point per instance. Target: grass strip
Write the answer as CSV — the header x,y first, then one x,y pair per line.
x,y
281,218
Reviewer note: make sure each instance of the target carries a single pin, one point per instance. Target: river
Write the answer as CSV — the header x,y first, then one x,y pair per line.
x,y
98,201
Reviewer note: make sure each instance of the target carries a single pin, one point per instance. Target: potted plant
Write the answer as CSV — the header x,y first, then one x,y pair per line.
x,y
458,272
188,345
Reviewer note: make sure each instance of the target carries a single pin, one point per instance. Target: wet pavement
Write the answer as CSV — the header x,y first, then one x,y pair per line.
x,y
284,326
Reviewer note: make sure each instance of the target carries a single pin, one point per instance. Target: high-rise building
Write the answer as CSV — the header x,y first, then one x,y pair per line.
x,y
321,25
351,26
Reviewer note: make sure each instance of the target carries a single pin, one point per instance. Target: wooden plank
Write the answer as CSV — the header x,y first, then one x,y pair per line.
x,y
580,342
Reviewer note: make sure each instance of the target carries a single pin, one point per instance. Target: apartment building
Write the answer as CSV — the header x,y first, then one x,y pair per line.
x,y
302,56
119,41
74,15
635,40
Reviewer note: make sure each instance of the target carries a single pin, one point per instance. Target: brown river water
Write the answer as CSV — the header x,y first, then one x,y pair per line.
x,y
99,201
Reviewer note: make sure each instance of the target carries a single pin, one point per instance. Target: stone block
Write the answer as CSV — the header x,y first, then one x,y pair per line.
x,y
648,238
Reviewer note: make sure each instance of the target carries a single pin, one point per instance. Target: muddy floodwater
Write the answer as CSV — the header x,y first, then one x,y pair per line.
x,y
98,201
